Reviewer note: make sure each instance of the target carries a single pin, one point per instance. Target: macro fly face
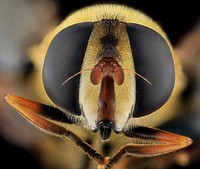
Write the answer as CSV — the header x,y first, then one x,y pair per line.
x,y
102,73
119,72
104,88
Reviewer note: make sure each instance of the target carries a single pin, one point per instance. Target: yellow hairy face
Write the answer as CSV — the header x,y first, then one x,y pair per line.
x,y
125,93
107,68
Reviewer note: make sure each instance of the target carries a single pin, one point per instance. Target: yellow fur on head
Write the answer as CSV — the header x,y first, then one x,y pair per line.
x,y
123,13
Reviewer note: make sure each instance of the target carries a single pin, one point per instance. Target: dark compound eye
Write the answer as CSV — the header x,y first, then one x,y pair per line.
x,y
153,60
63,59
152,57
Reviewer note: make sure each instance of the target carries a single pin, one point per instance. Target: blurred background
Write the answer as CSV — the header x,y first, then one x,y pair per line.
x,y
24,23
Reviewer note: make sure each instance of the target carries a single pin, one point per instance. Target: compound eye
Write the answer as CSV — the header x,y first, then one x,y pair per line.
x,y
63,59
153,60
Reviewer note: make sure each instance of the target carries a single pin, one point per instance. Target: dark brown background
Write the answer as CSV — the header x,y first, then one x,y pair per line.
x,y
176,19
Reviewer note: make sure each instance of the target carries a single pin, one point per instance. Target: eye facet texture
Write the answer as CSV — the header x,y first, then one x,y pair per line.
x,y
153,60
63,59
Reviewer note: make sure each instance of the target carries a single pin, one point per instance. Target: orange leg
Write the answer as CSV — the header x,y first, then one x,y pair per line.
x,y
155,142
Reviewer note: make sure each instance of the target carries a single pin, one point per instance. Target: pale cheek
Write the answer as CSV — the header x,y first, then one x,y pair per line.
x,y
91,120
88,99
120,122
125,101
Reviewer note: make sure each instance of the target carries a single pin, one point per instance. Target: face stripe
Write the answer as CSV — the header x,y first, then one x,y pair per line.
x,y
138,82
